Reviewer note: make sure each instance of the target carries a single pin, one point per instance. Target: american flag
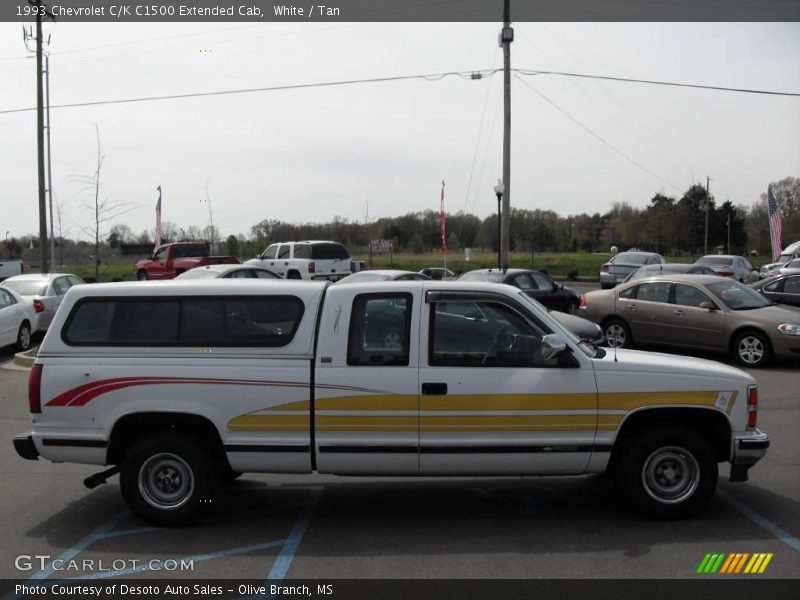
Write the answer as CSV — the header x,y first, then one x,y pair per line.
x,y
441,221
775,226
158,220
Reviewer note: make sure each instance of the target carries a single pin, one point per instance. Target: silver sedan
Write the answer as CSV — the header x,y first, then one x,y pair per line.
x,y
701,312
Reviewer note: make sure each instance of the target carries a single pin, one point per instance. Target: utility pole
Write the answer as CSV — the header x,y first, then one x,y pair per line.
x,y
728,246
40,9
506,37
708,200
49,161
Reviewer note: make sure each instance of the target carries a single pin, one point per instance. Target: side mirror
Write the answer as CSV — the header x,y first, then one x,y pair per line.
x,y
708,305
553,344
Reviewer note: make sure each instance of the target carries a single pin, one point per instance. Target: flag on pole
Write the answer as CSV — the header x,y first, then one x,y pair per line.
x,y
775,225
158,221
441,221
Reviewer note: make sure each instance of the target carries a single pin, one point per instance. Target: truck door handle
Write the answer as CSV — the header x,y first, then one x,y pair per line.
x,y
677,312
434,389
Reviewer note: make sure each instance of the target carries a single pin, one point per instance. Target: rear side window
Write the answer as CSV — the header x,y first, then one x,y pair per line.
x,y
217,321
302,251
329,252
380,330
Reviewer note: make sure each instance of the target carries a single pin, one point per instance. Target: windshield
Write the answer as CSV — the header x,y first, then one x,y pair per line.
x,y
495,276
631,258
27,288
365,276
558,327
715,260
200,273
737,296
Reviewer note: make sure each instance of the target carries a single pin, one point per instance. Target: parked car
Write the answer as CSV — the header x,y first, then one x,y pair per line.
x,y
170,260
438,273
18,319
384,275
791,251
730,265
781,289
10,267
228,272
621,265
791,266
45,290
696,311
314,259
535,284
663,269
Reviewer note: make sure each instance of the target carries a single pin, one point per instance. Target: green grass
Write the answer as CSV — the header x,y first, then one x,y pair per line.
x,y
556,263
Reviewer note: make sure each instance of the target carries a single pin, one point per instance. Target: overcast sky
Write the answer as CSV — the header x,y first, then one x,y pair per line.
x,y
307,155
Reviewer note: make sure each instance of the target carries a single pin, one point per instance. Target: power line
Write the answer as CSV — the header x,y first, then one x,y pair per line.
x,y
297,86
429,77
595,135
529,72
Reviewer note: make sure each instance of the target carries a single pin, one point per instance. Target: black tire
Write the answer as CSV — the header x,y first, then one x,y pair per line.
x,y
168,478
24,337
228,475
141,276
617,333
752,349
667,472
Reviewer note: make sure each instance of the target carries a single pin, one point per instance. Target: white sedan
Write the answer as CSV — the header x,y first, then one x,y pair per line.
x,y
46,290
18,319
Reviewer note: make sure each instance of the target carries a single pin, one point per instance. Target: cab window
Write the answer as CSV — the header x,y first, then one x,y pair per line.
x,y
686,295
284,251
483,334
380,330
270,252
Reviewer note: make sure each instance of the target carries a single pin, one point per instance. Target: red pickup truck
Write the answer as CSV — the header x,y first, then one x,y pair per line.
x,y
170,260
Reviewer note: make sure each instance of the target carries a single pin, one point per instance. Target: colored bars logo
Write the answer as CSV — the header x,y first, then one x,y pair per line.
x,y
741,562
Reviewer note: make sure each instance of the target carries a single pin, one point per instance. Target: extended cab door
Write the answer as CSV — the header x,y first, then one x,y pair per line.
x,y
490,403
157,267
366,406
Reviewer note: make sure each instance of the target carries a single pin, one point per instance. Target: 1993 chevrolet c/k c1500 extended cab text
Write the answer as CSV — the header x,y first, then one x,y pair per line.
x,y
182,385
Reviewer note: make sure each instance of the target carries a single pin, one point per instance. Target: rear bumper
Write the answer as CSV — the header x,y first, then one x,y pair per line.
x,y
749,447
23,444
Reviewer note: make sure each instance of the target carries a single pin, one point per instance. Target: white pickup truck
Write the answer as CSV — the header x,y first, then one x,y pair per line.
x,y
180,386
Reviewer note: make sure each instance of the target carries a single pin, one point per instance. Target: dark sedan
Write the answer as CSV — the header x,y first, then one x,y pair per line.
x,y
535,284
781,289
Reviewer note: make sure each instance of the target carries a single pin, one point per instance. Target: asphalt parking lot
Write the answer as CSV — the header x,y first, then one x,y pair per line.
x,y
324,527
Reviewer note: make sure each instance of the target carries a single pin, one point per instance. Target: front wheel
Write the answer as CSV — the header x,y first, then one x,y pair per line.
x,y
168,478
141,276
668,472
751,349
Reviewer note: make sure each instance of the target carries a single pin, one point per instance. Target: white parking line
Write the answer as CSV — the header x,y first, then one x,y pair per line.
x,y
748,512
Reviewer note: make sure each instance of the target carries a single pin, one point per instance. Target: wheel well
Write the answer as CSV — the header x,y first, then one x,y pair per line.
x,y
709,424
25,322
179,271
745,329
130,428
293,274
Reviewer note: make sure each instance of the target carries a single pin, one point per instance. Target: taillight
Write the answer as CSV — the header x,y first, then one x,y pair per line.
x,y
35,389
752,406
583,305
38,306
311,268
725,273
604,268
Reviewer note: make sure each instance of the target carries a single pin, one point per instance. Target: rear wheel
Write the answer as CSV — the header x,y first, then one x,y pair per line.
x,y
667,472
752,349
617,333
24,337
168,478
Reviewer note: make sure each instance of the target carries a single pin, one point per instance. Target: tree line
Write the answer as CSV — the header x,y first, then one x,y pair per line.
x,y
668,225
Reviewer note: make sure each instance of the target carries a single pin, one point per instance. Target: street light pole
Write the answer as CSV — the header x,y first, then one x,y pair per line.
x,y
506,37
499,188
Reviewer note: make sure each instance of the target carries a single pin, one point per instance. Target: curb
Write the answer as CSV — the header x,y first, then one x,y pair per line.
x,y
25,359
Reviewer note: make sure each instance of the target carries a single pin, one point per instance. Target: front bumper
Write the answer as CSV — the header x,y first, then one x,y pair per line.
x,y
749,447
23,444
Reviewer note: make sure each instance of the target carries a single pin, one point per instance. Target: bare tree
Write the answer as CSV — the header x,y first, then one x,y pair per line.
x,y
104,211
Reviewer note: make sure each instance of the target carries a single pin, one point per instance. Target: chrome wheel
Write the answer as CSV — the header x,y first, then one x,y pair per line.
x,y
616,335
166,481
24,337
751,349
670,475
